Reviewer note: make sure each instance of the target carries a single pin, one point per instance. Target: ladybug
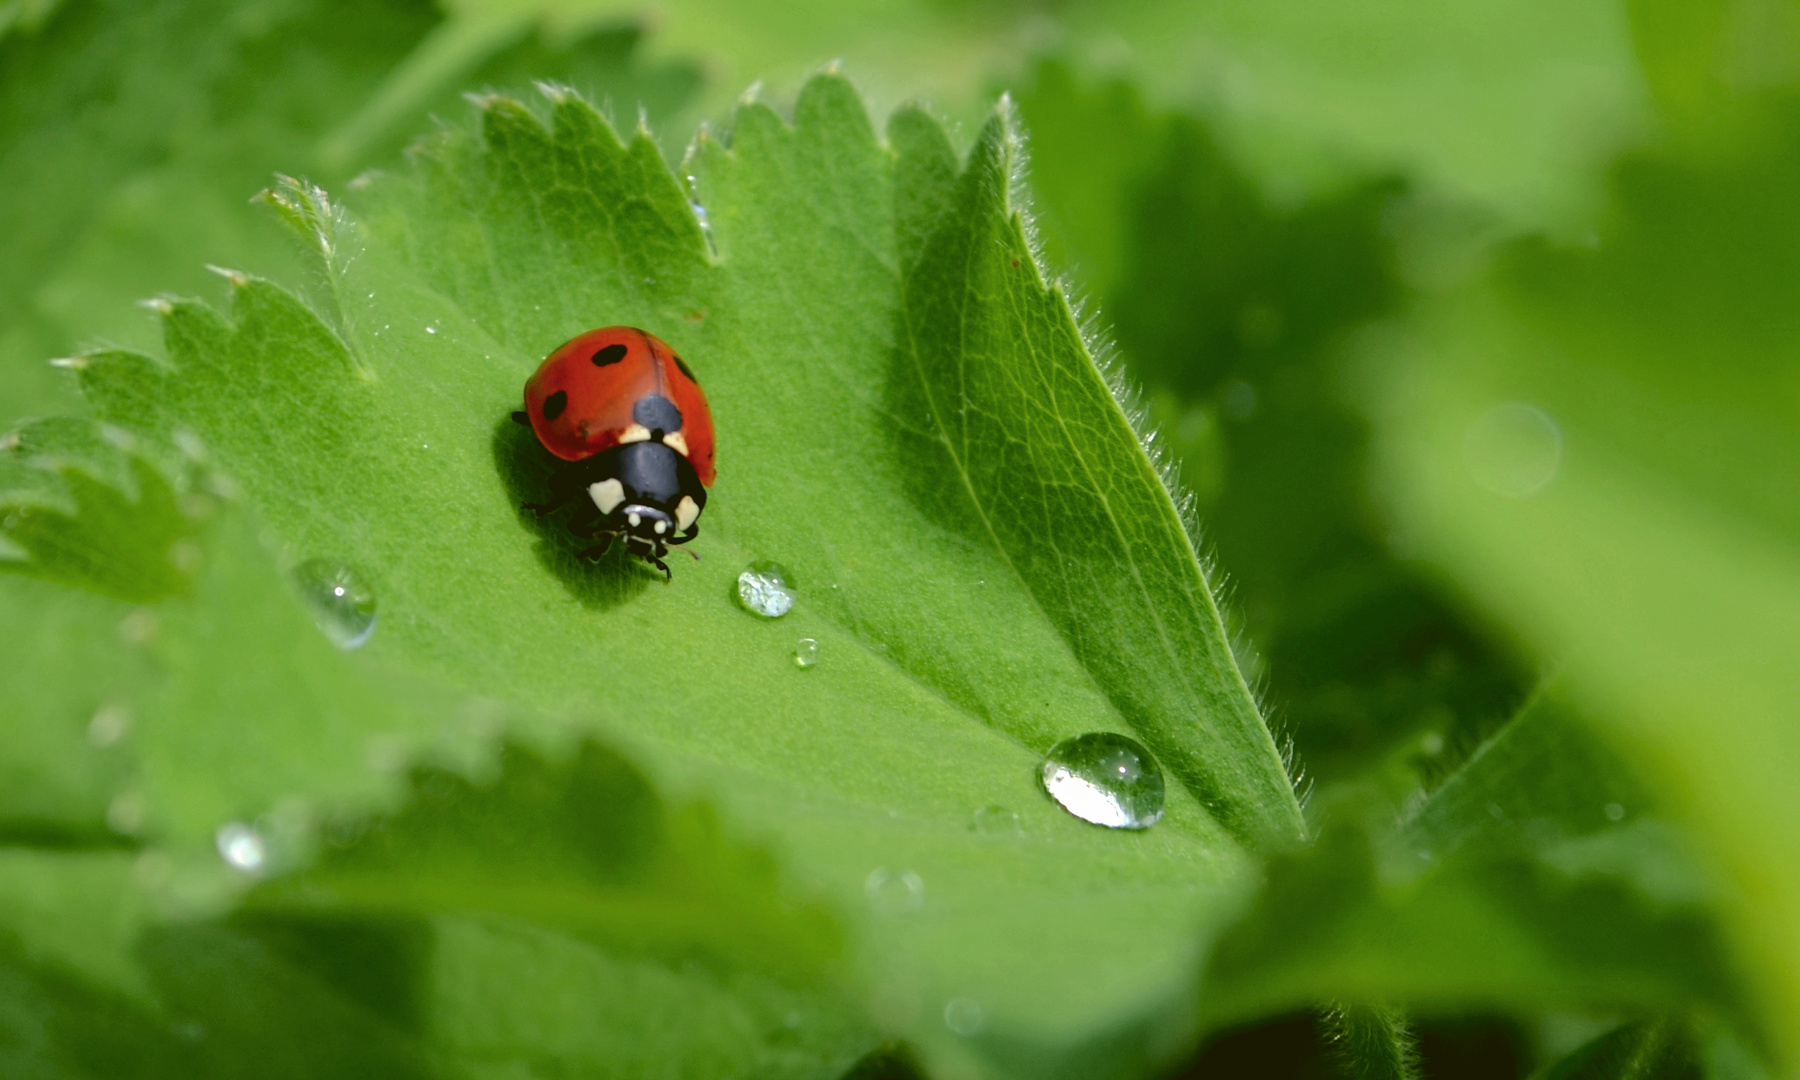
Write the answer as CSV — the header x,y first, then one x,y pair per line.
x,y
634,437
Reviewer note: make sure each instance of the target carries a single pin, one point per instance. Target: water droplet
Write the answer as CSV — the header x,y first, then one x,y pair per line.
x,y
1105,778
806,654
996,820
1513,449
109,725
341,602
241,846
894,892
126,813
964,1016
1615,811
763,590
1432,744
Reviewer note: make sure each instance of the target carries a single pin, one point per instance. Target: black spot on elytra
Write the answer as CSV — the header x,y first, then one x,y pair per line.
x,y
555,404
612,354
682,364
657,413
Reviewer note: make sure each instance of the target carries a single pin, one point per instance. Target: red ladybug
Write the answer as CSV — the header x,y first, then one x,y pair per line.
x,y
625,414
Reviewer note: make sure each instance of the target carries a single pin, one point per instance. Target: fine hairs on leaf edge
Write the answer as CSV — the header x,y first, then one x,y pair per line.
x,y
1104,353
1371,1042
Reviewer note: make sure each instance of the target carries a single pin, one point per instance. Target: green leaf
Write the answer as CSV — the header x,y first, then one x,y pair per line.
x,y
1234,309
910,422
1536,876
1593,441
131,135
1373,1043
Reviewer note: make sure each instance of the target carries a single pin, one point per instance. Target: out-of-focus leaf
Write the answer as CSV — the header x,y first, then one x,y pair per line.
x,y
1595,441
132,134
1534,877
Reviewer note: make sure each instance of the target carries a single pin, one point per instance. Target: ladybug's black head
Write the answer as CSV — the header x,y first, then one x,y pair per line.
x,y
647,522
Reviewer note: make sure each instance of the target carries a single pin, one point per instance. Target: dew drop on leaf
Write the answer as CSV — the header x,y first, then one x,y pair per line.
x,y
1514,449
964,1016
806,654
1105,778
894,892
995,820
341,602
241,846
763,590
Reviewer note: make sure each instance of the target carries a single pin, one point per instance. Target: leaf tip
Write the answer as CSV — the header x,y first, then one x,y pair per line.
x,y
237,278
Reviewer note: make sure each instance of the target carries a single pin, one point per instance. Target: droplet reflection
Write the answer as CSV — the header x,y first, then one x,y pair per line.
x,y
242,847
1105,778
340,600
763,590
1514,449
894,892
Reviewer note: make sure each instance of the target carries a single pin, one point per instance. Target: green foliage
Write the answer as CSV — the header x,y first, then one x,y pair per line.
x,y
1235,313
168,115
558,818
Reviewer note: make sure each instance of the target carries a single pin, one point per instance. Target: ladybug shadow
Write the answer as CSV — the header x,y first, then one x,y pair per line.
x,y
525,467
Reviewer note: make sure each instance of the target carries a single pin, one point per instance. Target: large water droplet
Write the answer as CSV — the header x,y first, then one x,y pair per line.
x,y
806,654
763,590
1105,778
341,602
241,846
1513,449
894,892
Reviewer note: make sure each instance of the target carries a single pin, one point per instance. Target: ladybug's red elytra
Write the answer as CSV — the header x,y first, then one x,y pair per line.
x,y
634,437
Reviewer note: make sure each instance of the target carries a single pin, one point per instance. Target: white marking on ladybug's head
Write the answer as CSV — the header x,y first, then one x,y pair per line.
x,y
634,433
661,526
607,495
685,512
677,442
634,519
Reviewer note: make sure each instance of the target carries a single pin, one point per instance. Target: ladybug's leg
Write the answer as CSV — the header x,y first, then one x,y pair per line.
x,y
668,576
557,502
599,549
692,531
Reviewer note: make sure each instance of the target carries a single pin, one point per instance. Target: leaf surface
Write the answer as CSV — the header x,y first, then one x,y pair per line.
x,y
910,423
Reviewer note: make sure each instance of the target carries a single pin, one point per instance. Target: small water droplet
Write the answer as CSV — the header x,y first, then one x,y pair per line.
x,y
763,590
126,813
806,654
1513,449
1432,744
964,1016
341,602
996,820
431,329
109,725
1105,778
894,892
241,846
1615,811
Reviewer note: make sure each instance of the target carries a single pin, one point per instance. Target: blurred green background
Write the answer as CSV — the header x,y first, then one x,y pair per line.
x,y
1471,328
